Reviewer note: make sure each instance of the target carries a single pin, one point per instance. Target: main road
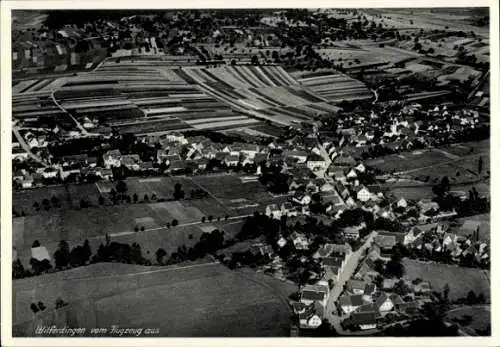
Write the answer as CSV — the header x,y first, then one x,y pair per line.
x,y
345,275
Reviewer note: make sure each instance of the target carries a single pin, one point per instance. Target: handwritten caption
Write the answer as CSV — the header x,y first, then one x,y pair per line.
x,y
113,330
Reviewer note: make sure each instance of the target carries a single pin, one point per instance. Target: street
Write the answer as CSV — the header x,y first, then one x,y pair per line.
x,y
345,275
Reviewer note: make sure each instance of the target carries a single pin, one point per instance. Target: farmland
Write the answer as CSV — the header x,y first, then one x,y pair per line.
x,y
209,300
335,87
461,280
459,162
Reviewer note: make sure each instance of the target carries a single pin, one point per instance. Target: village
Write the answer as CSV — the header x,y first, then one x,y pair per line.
x,y
356,187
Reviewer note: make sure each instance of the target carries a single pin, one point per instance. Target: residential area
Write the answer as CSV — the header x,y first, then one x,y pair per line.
x,y
252,173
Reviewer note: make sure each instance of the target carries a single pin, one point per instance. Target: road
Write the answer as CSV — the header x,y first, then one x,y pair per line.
x,y
346,274
125,233
79,126
27,148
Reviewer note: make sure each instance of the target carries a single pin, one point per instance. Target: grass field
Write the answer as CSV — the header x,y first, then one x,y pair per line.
x,y
484,229
94,223
481,317
460,279
201,300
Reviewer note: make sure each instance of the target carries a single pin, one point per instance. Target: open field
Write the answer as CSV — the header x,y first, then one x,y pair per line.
x,y
229,190
460,279
481,317
484,229
457,162
95,222
200,300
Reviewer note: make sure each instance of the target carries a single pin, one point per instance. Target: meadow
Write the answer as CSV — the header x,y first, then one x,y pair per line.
x,y
460,279
191,301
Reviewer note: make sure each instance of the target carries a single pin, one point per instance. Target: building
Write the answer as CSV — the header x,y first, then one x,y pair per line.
x,y
362,193
316,162
363,320
311,316
315,293
131,162
349,303
112,158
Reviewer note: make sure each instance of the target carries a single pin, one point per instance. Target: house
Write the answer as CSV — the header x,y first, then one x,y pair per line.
x,y
329,249
300,156
311,316
352,174
177,166
315,293
315,162
369,291
383,302
349,303
402,203
282,242
344,161
302,199
352,232
250,150
300,241
232,160
362,193
273,211
112,158
331,272
356,286
367,270
66,171
427,205
363,320
413,234
40,253
131,162
50,173
360,168
342,190
337,174
27,181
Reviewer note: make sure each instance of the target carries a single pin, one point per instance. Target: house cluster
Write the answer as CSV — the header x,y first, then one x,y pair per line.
x,y
364,306
439,239
313,298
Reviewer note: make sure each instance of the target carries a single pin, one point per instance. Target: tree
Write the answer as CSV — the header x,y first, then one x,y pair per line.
x,y
175,222
35,244
101,200
41,306
160,254
178,192
210,218
60,303
87,250
135,198
480,165
34,308
62,255
401,288
203,219
17,269
471,298
146,197
446,292
121,187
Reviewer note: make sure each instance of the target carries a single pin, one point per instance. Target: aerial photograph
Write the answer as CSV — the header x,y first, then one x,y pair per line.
x,y
315,172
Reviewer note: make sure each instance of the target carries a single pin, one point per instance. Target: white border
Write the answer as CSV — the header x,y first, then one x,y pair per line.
x,y
6,177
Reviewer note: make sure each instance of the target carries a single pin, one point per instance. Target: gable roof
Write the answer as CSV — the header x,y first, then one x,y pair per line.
x,y
356,284
351,300
332,261
312,295
369,289
363,318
